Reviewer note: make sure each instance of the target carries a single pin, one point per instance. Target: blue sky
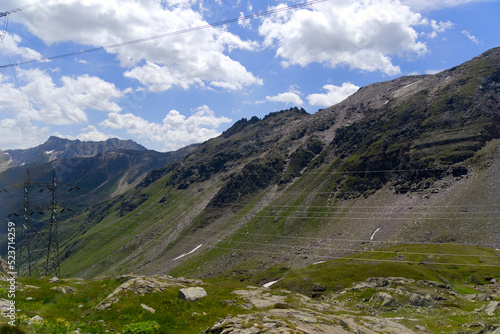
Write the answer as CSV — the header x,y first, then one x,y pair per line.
x,y
169,92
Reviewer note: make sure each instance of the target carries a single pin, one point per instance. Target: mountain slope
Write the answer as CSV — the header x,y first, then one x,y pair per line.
x,y
100,177
414,159
59,148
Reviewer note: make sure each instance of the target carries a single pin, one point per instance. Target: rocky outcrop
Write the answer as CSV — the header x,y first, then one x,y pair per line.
x,y
306,315
141,285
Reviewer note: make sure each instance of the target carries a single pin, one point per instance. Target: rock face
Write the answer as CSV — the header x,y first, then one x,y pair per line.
x,y
306,316
192,294
351,311
141,285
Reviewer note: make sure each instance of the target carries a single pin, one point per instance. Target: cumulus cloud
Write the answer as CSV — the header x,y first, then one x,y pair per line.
x,y
334,94
360,34
175,131
288,98
181,59
11,43
91,133
19,133
45,101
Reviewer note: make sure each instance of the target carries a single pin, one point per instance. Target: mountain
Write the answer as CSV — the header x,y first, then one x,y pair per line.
x,y
100,177
58,148
411,160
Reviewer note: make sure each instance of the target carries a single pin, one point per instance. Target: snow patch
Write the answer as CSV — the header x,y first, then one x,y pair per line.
x,y
267,285
185,254
373,235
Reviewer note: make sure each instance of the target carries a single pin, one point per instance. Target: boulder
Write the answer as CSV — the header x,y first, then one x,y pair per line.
x,y
35,320
192,294
421,300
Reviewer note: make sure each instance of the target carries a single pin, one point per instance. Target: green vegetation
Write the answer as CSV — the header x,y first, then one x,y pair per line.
x,y
458,265
70,304
146,327
64,312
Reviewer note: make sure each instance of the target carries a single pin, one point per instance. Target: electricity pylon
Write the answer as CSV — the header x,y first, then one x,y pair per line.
x,y
38,249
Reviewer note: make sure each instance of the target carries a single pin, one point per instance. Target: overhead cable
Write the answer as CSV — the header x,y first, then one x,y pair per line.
x,y
169,34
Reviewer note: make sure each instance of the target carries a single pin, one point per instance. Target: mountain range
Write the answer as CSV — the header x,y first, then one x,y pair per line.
x,y
58,148
100,170
411,160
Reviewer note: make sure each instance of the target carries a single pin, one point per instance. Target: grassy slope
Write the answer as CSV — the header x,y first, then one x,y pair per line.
x,y
466,269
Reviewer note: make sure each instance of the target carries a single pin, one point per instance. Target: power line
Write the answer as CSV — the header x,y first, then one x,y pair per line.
x,y
169,34
23,7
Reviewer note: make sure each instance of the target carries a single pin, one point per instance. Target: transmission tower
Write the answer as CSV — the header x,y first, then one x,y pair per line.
x,y
38,249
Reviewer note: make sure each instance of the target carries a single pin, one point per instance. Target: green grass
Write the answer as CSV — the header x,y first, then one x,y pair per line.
x,y
452,264
64,313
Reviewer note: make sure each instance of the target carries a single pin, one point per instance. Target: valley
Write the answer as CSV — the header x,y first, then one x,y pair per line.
x,y
379,214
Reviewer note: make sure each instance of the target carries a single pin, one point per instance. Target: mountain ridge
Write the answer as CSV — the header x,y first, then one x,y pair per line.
x,y
386,165
57,148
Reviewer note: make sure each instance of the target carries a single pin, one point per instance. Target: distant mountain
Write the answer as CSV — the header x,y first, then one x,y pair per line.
x,y
411,160
59,148
100,177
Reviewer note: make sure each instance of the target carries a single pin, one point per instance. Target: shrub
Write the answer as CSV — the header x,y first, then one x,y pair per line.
x,y
8,329
147,327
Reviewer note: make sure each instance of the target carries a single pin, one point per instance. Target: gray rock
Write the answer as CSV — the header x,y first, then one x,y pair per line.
x,y
5,305
422,300
383,297
35,319
192,294
491,308
54,280
482,297
148,308
64,289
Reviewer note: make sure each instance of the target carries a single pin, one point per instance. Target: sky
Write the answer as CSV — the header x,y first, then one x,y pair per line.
x,y
169,73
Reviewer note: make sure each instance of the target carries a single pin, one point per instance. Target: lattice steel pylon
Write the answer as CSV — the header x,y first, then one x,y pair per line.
x,y
38,249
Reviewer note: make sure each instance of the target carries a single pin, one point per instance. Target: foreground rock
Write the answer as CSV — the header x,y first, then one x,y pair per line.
x,y
367,307
304,316
192,294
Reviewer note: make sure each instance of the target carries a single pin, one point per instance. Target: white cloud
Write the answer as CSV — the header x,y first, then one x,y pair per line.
x,y
288,97
334,94
81,61
470,36
42,100
245,23
91,134
181,59
362,34
175,131
437,27
11,43
19,133
428,5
